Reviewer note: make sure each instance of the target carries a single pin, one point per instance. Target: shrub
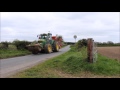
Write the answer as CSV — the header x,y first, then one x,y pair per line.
x,y
4,45
20,44
81,43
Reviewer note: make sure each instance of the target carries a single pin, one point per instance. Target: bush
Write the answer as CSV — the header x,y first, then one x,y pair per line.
x,y
21,44
81,43
4,45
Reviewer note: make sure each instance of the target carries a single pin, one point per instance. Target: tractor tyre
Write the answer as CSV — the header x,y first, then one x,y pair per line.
x,y
48,48
56,47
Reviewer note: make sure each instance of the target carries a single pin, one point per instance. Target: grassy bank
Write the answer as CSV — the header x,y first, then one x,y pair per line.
x,y
72,64
12,52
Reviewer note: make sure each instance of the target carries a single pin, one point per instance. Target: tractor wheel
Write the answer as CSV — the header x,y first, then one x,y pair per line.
x,y
48,48
56,47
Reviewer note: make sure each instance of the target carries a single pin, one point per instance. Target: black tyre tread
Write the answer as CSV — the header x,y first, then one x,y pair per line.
x,y
46,48
54,46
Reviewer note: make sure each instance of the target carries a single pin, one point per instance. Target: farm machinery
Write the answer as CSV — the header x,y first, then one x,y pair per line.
x,y
46,43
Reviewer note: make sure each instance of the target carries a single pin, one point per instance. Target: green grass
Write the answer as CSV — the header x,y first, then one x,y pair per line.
x,y
12,47
73,64
12,52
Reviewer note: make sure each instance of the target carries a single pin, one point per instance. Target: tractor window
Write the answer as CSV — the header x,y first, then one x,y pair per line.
x,y
39,37
50,36
44,37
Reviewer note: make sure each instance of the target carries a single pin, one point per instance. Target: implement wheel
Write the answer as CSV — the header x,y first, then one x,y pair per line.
x,y
56,47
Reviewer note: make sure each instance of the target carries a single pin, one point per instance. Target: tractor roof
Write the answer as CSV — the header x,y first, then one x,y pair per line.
x,y
45,34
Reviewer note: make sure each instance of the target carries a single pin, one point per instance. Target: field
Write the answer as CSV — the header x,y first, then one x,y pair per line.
x,y
111,52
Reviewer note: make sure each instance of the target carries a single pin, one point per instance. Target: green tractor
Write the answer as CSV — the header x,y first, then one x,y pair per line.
x,y
46,43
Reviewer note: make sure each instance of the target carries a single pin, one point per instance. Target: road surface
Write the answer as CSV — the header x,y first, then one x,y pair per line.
x,y
11,66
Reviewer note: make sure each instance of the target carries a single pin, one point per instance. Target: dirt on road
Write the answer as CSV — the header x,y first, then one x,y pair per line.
x,y
111,52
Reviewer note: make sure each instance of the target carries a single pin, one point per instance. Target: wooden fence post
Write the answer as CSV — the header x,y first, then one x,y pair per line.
x,y
90,50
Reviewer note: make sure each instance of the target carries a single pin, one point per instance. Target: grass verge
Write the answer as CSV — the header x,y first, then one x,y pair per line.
x,y
73,64
12,53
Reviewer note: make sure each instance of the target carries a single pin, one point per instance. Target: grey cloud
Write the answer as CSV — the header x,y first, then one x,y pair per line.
x,y
83,24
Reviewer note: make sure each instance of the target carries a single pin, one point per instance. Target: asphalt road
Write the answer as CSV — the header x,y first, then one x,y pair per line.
x,y
11,66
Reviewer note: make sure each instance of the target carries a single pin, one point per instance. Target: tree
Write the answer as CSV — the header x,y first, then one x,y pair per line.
x,y
20,44
110,43
4,45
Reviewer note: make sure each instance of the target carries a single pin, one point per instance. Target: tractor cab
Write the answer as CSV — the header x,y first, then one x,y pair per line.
x,y
49,36
42,36
45,36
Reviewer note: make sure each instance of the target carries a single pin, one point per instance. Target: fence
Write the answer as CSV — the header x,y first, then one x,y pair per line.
x,y
91,50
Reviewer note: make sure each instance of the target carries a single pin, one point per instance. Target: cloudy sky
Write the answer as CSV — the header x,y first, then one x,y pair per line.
x,y
101,26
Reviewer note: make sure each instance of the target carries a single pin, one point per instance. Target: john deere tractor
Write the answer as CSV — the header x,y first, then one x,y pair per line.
x,y
46,43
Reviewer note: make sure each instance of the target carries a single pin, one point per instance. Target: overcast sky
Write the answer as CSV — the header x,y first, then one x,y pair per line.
x,y
101,26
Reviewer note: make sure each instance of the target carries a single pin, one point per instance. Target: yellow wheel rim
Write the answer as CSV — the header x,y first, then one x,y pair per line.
x,y
49,48
57,47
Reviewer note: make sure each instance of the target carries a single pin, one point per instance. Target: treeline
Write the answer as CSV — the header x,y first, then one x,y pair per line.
x,y
109,43
83,42
19,44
